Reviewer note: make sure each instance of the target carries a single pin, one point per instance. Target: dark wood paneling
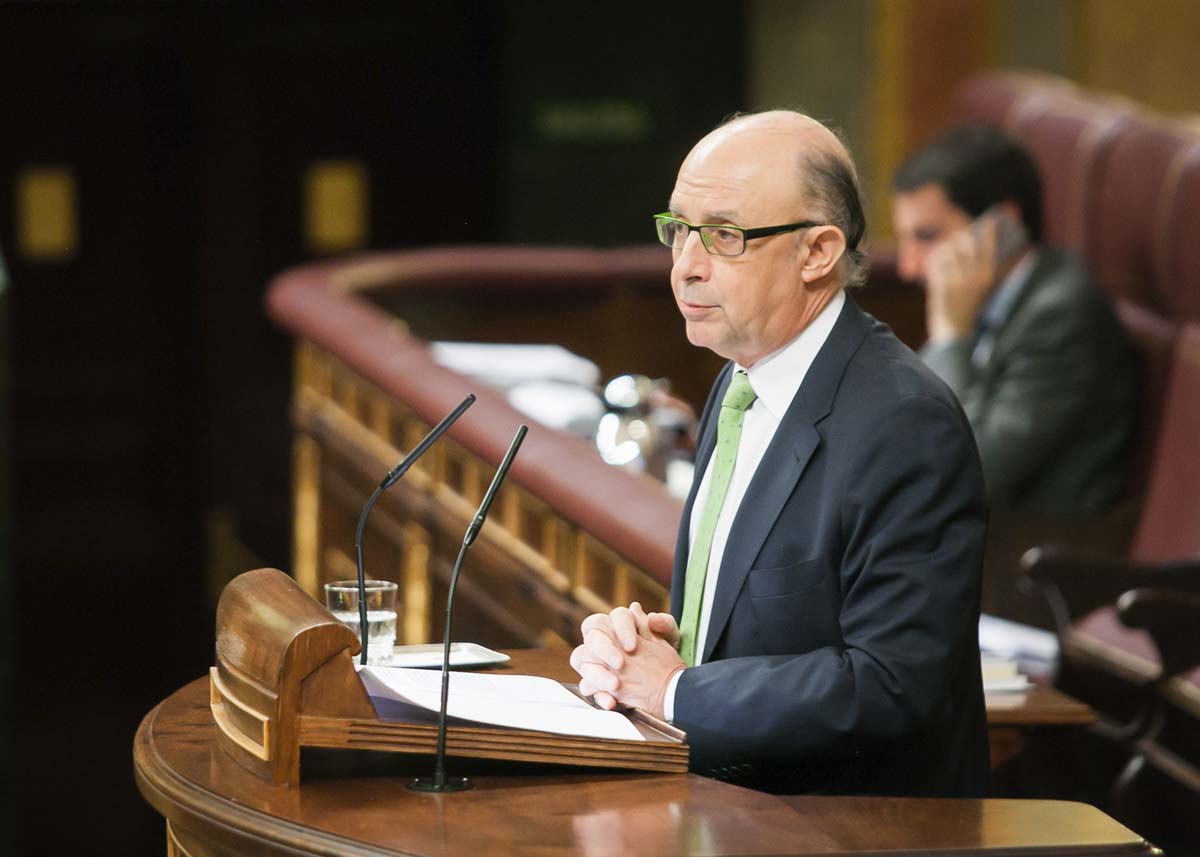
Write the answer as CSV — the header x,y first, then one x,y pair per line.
x,y
150,392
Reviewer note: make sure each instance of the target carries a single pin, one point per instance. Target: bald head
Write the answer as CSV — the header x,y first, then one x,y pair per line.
x,y
790,178
782,134
789,161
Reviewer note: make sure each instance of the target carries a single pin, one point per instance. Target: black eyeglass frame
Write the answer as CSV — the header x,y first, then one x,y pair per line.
x,y
747,234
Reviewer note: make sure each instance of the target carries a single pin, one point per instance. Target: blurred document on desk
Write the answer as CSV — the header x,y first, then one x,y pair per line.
x,y
1034,650
517,701
504,365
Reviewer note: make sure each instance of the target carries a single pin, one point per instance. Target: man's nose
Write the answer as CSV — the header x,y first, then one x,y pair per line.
x,y
692,261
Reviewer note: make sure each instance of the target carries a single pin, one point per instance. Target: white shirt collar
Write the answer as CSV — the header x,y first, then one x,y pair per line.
x,y
778,376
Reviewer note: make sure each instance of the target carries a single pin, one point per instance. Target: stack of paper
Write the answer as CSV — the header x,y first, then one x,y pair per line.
x,y
1000,675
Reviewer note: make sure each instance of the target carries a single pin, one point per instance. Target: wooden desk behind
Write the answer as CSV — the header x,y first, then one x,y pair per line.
x,y
215,807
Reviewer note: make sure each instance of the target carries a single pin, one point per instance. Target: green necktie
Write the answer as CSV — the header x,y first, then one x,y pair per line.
x,y
738,397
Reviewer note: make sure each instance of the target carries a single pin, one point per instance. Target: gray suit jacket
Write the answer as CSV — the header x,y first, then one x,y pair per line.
x,y
1054,402
842,653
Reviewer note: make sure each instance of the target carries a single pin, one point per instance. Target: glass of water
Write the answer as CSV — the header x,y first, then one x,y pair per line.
x,y
341,597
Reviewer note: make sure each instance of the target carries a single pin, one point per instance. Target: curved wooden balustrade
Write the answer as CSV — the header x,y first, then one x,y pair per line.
x,y
569,534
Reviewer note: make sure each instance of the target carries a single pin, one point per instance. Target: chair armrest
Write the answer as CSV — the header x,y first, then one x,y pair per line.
x,y
1171,617
1076,583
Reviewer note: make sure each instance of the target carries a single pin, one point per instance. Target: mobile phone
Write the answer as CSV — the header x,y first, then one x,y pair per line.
x,y
1012,239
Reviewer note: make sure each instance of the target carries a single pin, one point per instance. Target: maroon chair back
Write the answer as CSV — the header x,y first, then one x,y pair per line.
x,y
1070,139
1137,194
1180,236
1067,132
1153,338
997,97
1169,528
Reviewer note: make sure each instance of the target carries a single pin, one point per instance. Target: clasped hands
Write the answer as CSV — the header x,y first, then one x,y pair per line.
x,y
628,656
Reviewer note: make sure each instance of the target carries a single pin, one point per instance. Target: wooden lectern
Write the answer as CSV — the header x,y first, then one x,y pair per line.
x,y
284,679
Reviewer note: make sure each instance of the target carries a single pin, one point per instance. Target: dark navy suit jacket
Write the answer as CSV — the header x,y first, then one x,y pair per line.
x,y
842,653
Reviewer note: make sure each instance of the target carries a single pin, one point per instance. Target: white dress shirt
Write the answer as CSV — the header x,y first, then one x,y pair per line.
x,y
775,379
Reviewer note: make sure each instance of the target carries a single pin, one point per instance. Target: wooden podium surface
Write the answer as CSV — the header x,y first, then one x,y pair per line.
x,y
215,807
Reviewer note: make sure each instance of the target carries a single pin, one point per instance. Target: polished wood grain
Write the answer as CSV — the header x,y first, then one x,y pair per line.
x,y
278,653
1038,706
214,806
285,680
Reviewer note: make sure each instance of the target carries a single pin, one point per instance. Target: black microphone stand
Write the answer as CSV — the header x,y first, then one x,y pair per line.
x,y
392,477
439,782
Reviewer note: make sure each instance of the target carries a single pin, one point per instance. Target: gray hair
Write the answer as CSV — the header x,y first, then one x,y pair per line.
x,y
830,184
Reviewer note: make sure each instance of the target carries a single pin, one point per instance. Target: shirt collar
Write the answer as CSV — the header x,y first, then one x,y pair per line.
x,y
1001,302
778,376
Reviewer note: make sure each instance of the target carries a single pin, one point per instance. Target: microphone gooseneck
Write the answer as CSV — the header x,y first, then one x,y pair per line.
x,y
393,476
438,782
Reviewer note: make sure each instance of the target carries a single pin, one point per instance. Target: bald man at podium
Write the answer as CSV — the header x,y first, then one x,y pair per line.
x,y
825,599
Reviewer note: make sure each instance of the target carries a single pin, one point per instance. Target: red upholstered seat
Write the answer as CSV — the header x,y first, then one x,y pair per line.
x,y
1170,522
1153,338
1068,131
1070,138
997,97
1136,194
1129,650
1169,526
1180,237
1123,190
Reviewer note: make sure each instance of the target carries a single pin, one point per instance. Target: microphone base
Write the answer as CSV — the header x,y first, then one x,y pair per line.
x,y
449,784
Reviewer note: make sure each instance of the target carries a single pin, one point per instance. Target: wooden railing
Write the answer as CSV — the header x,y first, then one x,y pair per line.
x,y
569,535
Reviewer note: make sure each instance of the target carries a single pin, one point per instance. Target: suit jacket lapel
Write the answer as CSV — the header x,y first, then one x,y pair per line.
x,y
782,465
1008,331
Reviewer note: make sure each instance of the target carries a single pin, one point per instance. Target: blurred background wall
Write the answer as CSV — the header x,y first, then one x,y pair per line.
x,y
159,162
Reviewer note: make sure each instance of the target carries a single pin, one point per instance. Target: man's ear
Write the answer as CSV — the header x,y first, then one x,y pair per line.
x,y
826,246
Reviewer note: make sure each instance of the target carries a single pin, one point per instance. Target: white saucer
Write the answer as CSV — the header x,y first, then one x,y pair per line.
x,y
430,655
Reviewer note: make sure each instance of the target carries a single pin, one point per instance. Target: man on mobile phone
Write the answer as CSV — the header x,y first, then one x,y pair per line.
x,y
1032,350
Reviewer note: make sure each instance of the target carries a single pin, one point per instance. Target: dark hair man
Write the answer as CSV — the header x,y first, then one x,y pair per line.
x,y
1031,349
825,598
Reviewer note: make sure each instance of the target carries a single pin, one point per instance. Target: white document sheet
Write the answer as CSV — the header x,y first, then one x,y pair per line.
x,y
518,701
503,365
1014,640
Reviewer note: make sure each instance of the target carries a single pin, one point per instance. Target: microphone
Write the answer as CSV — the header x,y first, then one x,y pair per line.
x,y
393,476
438,782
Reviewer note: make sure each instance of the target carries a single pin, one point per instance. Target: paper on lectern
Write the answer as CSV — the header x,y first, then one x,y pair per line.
x,y
516,701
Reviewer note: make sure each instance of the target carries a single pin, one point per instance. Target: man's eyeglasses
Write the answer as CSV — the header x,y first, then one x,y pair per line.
x,y
717,238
